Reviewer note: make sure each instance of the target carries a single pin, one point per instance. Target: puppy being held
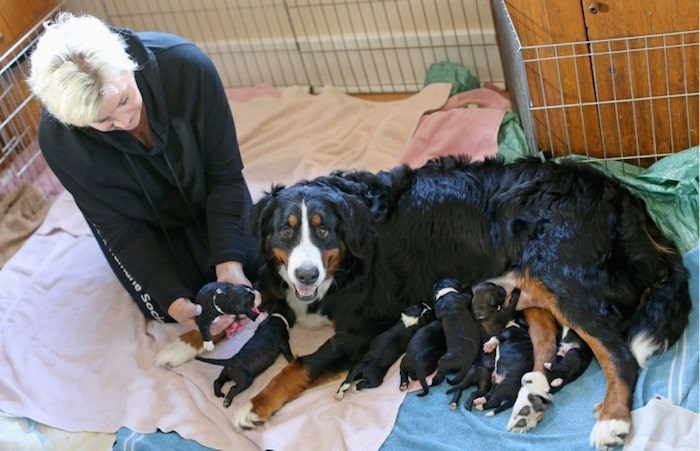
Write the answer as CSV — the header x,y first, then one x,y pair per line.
x,y
221,298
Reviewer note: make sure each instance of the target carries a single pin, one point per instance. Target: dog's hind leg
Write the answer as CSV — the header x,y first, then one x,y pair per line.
x,y
613,419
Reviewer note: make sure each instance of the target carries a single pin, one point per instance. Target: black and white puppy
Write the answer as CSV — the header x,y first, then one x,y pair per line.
x,y
422,354
386,348
270,340
572,359
514,358
220,298
462,335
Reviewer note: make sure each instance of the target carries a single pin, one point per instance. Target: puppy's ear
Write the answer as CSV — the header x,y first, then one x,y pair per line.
x,y
357,229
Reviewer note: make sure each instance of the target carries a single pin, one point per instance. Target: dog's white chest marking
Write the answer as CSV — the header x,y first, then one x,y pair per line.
x,y
304,318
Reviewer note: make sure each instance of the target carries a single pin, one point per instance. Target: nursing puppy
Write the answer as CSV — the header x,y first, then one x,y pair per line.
x,y
386,349
270,340
479,374
462,336
514,358
220,298
572,359
422,354
493,307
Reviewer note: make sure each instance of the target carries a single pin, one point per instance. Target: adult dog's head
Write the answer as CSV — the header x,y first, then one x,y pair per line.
x,y
311,232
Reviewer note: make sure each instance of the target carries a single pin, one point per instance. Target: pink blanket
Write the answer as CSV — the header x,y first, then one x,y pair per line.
x,y
76,354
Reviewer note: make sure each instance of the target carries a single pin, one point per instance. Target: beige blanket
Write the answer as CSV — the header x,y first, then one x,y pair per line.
x,y
76,354
299,135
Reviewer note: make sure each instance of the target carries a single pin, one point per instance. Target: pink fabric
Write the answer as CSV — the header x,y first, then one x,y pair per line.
x,y
467,124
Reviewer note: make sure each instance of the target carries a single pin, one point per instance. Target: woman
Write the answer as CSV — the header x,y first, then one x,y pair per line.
x,y
138,129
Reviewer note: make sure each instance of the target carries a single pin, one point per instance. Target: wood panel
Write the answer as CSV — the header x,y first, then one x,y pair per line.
x,y
17,17
623,95
559,77
648,86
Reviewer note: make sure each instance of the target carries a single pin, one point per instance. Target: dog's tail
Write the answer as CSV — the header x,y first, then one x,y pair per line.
x,y
663,312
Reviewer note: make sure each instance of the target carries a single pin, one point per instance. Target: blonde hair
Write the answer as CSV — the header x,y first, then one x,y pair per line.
x,y
77,61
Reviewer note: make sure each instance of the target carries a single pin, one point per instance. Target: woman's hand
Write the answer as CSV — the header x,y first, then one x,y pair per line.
x,y
183,311
232,272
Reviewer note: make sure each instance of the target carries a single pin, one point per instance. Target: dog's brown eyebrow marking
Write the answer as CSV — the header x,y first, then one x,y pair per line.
x,y
316,220
293,220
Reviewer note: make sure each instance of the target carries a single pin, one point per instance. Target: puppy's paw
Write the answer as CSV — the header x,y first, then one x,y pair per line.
x,y
533,399
245,419
176,353
208,346
608,434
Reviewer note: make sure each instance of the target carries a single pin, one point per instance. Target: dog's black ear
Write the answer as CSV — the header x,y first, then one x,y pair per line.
x,y
357,229
261,216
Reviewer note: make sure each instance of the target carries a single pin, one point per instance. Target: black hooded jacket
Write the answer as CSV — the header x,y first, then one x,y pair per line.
x,y
188,184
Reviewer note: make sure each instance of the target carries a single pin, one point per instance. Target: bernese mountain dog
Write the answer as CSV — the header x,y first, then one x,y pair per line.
x,y
355,248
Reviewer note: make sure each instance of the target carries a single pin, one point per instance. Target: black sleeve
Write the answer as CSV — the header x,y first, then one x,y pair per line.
x,y
228,198
137,248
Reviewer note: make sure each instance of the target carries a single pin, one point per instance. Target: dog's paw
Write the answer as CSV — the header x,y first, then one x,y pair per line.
x,y
244,419
607,434
533,399
208,346
176,353
340,393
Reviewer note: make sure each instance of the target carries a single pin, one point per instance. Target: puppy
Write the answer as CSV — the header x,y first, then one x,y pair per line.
x,y
572,359
493,310
492,307
462,336
386,349
514,358
479,374
220,298
422,354
270,339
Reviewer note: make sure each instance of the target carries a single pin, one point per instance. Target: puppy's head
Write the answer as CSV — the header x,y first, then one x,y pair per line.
x,y
239,300
308,231
488,298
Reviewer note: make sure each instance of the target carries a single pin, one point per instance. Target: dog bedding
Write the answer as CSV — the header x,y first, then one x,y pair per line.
x,y
77,355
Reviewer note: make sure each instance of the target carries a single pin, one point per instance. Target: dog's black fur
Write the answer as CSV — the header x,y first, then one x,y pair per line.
x,y
462,335
572,359
387,348
221,298
270,340
386,237
514,358
422,354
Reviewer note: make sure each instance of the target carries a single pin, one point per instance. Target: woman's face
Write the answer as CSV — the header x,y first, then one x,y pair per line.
x,y
121,110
